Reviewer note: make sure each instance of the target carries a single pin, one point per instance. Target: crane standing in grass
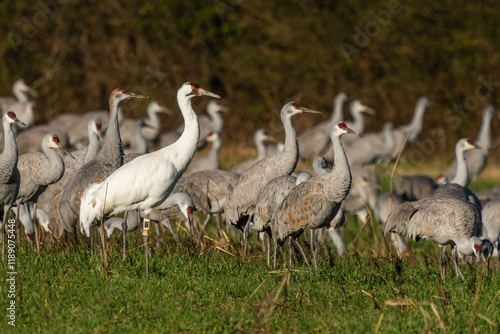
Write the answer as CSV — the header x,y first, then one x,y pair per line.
x,y
150,177
9,176
314,203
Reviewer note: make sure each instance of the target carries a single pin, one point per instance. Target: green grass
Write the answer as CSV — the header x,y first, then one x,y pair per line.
x,y
208,290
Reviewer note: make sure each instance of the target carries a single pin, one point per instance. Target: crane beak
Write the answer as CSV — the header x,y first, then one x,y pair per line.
x,y
481,147
368,110
32,92
223,109
18,121
137,96
310,111
202,91
165,110
65,150
352,132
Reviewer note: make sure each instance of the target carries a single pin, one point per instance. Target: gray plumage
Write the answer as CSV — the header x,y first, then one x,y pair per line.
x,y
259,137
30,139
209,162
415,187
150,132
38,170
20,104
364,191
476,160
109,158
373,148
9,175
242,200
357,109
316,139
412,130
491,222
384,205
271,196
314,203
441,220
210,189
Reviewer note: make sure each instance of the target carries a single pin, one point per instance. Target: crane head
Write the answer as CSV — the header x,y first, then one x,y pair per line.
x,y
340,128
477,245
27,89
11,118
291,109
195,90
467,145
121,94
52,141
358,107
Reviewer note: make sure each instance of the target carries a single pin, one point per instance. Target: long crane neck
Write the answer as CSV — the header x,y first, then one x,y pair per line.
x,y
93,148
20,95
56,167
213,155
188,141
261,149
8,159
339,180
359,121
112,148
153,118
415,127
338,114
462,176
290,151
217,120
484,135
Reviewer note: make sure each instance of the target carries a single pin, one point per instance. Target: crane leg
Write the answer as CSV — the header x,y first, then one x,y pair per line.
x,y
290,253
166,223
6,208
297,243
145,236
268,249
398,243
91,241
313,250
442,261
245,237
218,221
200,236
35,225
124,236
275,251
454,258
337,241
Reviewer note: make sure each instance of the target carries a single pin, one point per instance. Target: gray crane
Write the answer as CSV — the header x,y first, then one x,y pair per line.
x,y
241,203
476,160
72,166
415,187
443,220
316,139
150,132
384,205
30,139
208,124
259,137
408,134
109,158
21,90
314,203
152,176
9,176
491,223
210,190
209,162
373,148
357,109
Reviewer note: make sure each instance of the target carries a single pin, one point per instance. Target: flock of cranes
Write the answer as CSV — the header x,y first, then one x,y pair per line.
x,y
265,195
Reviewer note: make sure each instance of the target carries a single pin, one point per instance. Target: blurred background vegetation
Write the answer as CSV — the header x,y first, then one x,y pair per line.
x,y
259,55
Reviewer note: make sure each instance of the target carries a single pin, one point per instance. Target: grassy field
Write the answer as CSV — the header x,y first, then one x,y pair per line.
x,y
210,289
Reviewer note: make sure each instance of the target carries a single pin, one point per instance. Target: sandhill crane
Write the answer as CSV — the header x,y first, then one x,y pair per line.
x,y
384,205
81,157
150,132
151,177
38,170
476,160
140,145
357,109
314,203
241,204
26,112
415,187
372,148
316,139
9,175
259,137
491,223
109,158
208,124
21,90
209,162
443,220
30,139
408,134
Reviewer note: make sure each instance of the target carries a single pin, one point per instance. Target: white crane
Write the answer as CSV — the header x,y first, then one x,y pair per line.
x,y
151,177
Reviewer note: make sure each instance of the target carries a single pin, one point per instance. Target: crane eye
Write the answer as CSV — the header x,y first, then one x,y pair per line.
x,y
98,126
342,126
124,91
11,114
194,86
296,106
190,209
470,142
55,140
